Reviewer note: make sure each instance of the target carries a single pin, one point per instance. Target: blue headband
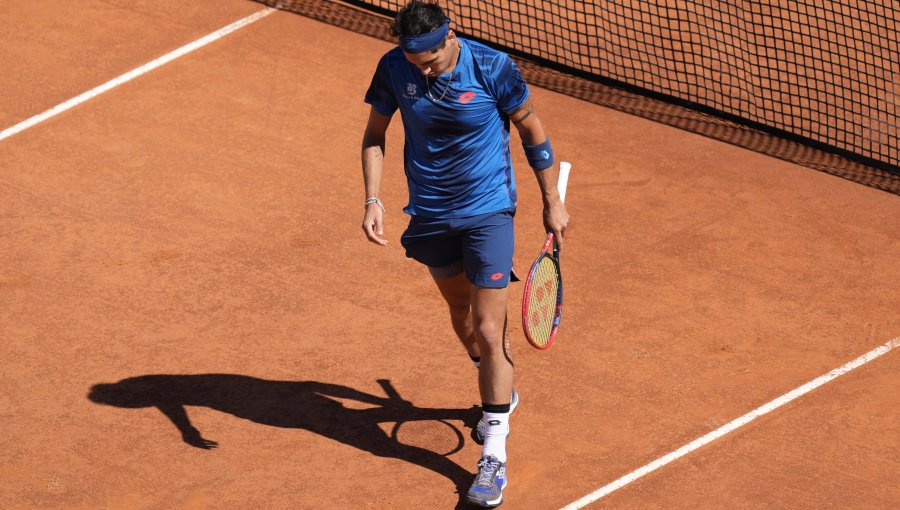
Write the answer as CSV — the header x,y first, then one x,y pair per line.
x,y
425,42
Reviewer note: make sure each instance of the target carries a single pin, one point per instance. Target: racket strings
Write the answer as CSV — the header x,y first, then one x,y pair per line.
x,y
542,302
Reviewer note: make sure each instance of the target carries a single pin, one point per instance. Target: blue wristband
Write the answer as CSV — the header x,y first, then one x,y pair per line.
x,y
539,156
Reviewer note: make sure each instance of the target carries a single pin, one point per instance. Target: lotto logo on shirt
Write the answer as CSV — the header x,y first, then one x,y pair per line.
x,y
466,97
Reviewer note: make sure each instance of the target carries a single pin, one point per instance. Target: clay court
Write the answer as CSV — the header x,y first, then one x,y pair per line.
x,y
191,316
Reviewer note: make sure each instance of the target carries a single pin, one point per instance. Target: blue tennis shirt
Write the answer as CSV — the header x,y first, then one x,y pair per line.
x,y
456,156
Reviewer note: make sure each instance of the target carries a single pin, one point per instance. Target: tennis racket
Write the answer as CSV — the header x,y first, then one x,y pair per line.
x,y
542,302
416,429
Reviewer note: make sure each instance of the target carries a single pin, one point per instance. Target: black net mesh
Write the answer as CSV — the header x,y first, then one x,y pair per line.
x,y
822,73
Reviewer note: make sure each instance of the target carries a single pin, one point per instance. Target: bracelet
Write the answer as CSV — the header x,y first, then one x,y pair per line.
x,y
374,200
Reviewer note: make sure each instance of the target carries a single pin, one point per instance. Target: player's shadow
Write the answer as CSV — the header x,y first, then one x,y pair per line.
x,y
307,405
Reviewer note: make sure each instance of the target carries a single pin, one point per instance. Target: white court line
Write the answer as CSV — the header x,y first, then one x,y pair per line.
x,y
730,427
134,73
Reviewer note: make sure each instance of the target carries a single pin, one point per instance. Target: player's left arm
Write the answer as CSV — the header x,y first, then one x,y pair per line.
x,y
540,156
177,414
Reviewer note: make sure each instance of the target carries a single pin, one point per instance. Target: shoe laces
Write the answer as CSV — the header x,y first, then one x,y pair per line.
x,y
487,468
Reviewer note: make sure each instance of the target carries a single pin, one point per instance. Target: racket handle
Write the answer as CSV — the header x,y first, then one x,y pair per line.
x,y
563,181
389,389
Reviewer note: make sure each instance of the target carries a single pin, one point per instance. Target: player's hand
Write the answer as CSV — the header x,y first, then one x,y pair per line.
x,y
556,218
373,224
193,438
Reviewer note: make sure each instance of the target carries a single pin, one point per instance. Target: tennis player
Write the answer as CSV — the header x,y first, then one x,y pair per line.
x,y
456,99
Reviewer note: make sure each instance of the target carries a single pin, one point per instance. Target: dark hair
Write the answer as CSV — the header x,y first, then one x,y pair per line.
x,y
418,18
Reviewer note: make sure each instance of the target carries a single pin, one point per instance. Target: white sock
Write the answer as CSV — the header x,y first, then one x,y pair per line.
x,y
496,428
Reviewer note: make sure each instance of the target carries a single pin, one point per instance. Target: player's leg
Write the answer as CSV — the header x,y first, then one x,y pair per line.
x,y
495,381
487,251
434,242
495,377
457,292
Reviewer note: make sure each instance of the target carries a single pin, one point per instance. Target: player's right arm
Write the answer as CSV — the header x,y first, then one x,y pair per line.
x,y
372,166
532,133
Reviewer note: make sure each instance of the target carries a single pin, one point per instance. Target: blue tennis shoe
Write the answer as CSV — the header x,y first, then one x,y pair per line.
x,y
487,489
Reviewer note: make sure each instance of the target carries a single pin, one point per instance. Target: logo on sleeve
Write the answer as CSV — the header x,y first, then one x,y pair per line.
x,y
496,276
466,97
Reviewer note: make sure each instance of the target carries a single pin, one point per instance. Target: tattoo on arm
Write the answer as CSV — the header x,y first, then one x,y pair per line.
x,y
521,113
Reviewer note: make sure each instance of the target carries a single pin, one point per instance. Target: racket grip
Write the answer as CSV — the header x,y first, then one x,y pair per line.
x,y
389,389
563,182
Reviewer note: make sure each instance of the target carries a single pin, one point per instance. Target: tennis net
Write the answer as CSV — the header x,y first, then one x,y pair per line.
x,y
824,73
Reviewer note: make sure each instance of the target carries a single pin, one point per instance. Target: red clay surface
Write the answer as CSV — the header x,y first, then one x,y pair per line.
x,y
55,50
190,241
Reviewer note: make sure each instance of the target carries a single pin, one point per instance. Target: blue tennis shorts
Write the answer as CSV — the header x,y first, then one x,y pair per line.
x,y
484,244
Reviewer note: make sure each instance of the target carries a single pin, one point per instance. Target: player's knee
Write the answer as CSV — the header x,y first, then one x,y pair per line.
x,y
490,334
